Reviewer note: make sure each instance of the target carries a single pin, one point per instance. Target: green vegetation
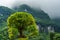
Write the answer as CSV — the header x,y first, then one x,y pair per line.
x,y
28,24
57,36
20,22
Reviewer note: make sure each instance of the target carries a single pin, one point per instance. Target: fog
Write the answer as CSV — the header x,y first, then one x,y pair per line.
x,y
51,7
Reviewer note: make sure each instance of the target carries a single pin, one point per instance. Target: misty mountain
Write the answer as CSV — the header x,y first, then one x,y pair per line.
x,y
39,14
4,13
41,17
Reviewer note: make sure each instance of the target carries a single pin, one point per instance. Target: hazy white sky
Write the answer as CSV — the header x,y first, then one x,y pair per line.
x,y
52,7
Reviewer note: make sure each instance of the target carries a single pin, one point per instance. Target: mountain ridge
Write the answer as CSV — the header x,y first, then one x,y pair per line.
x,y
35,12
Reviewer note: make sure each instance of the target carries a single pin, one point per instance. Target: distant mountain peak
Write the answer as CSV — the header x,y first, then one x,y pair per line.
x,y
3,7
35,12
5,12
24,5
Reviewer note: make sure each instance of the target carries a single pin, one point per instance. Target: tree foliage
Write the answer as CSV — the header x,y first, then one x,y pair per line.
x,y
22,22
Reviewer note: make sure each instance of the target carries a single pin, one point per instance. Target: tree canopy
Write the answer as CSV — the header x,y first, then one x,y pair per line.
x,y
22,21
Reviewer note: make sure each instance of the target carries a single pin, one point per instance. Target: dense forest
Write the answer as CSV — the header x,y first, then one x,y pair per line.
x,y
49,29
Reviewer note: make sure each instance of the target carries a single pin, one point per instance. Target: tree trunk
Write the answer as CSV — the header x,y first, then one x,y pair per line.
x,y
21,33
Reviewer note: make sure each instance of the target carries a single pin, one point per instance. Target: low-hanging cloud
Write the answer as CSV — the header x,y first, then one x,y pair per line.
x,y
52,7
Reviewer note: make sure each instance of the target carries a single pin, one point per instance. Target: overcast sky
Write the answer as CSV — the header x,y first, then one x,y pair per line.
x,y
52,7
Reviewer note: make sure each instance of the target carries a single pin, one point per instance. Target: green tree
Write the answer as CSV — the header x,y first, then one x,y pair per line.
x,y
57,36
21,22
